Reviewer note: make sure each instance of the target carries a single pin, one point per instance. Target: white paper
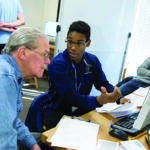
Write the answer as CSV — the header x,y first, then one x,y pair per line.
x,y
122,113
107,145
76,134
119,111
136,99
141,91
113,107
133,145
108,107
50,28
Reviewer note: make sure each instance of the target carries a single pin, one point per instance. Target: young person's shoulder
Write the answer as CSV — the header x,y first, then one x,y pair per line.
x,y
91,57
59,61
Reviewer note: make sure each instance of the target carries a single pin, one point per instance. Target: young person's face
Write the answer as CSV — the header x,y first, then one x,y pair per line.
x,y
76,44
38,58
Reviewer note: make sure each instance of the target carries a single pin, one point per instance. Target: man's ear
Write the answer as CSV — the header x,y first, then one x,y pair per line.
x,y
88,43
21,52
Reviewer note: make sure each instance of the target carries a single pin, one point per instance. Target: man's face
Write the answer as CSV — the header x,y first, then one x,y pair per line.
x,y
76,44
37,59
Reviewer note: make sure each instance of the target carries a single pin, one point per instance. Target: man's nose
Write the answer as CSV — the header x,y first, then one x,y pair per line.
x,y
47,61
74,46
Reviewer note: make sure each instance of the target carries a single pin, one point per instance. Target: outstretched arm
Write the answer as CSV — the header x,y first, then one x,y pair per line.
x,y
110,97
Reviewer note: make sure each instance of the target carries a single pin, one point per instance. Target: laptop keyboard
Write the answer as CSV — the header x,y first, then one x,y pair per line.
x,y
127,122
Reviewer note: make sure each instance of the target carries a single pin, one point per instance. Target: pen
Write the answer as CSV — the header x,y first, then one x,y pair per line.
x,y
147,141
148,134
122,116
110,126
82,119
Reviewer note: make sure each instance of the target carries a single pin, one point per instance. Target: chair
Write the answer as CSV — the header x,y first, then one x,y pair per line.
x,y
124,73
32,83
34,120
124,78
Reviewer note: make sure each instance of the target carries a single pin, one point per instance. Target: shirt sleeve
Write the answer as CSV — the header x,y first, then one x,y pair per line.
x,y
144,69
23,134
19,7
11,128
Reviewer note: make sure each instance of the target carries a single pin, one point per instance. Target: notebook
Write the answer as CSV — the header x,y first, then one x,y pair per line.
x,y
136,122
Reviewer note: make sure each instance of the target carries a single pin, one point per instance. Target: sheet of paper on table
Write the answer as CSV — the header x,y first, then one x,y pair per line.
x,y
125,145
107,145
132,144
116,110
138,96
141,91
76,134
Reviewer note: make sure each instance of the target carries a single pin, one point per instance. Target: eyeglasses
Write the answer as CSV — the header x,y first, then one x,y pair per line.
x,y
78,44
43,55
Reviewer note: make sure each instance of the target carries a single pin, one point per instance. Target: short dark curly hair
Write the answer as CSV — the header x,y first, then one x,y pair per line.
x,y
80,27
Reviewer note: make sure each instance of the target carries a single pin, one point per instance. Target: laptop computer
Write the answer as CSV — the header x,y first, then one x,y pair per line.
x,y
136,122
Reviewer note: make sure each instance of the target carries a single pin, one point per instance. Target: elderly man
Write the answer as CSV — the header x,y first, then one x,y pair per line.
x,y
24,56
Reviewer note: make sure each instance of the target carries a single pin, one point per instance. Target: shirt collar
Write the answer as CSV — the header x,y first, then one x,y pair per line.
x,y
13,62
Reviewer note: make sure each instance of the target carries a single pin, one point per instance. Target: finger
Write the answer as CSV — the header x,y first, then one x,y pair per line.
x,y
124,100
116,94
127,100
103,89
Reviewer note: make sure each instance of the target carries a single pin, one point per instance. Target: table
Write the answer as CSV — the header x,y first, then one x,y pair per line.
x,y
104,121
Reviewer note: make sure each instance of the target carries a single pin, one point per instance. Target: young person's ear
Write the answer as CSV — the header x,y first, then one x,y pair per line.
x,y
88,43
21,52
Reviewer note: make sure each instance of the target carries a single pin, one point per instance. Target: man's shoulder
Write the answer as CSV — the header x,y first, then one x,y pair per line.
x,y
59,59
5,66
91,57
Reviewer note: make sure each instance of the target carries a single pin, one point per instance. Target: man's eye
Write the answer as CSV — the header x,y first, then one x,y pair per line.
x,y
79,44
47,55
70,42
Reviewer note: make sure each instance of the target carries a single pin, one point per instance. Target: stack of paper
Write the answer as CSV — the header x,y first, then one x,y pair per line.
x,y
125,145
138,96
116,110
75,134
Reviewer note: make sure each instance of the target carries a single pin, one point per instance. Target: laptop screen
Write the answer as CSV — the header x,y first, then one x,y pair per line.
x,y
143,118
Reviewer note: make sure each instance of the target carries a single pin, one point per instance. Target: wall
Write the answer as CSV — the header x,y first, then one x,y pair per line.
x,y
50,11
139,45
37,12
33,12
110,21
